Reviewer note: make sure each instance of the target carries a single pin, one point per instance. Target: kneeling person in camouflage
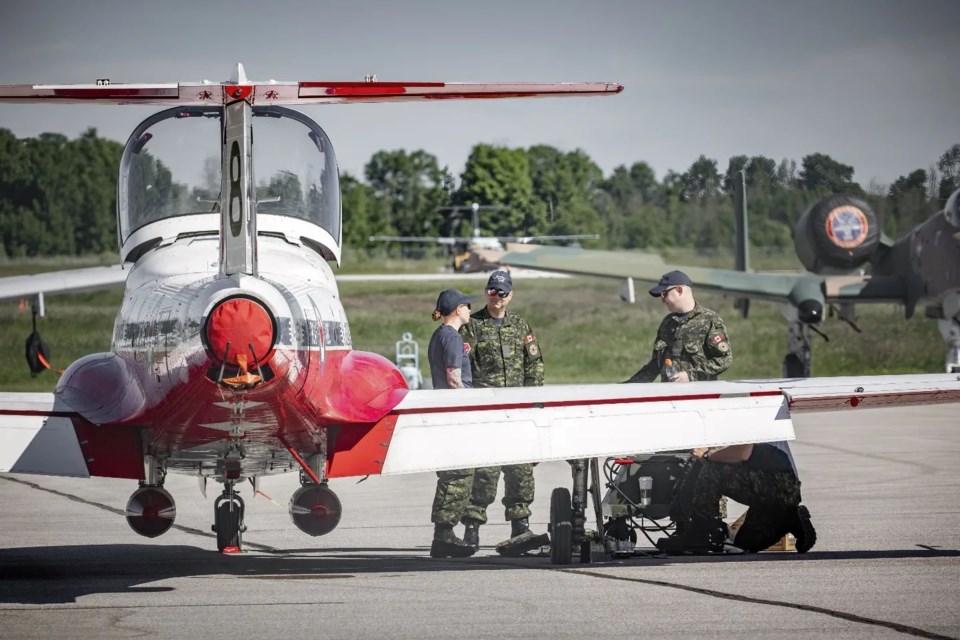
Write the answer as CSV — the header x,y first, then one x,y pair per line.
x,y
763,477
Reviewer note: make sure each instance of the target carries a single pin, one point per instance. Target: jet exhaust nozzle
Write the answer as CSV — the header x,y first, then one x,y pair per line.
x,y
151,511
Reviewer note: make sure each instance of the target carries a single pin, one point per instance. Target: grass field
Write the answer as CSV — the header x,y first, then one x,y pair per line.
x,y
586,333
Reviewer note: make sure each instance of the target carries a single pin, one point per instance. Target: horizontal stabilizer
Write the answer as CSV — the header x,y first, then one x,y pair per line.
x,y
293,93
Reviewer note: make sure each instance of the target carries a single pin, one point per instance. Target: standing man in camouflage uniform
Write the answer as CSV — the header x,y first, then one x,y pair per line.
x,y
504,352
763,477
693,337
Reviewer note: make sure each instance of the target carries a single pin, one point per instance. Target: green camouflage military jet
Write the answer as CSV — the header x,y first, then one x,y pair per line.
x,y
847,257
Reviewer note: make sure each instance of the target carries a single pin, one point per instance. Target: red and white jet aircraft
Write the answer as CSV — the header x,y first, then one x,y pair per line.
x,y
231,356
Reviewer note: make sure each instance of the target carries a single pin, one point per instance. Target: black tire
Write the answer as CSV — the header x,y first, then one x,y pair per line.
x,y
228,518
793,367
561,526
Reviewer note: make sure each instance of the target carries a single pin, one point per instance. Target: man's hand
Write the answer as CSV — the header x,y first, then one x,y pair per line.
x,y
680,377
698,453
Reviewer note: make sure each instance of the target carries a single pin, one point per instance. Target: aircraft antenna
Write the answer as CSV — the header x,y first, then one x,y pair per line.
x,y
742,257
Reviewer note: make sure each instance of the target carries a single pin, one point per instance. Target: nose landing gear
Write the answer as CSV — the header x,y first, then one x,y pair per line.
x,y
228,520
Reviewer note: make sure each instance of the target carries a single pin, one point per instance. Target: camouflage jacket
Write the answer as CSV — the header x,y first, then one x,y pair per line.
x,y
697,343
502,356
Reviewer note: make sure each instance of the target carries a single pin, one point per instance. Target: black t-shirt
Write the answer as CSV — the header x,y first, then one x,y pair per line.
x,y
767,457
447,351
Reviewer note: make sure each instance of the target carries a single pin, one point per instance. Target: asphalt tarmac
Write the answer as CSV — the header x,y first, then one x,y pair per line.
x,y
882,487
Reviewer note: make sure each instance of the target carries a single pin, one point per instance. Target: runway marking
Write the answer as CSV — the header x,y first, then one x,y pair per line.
x,y
69,607
121,512
849,617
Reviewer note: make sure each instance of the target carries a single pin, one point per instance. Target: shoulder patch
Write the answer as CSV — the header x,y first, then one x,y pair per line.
x,y
533,349
723,347
529,338
466,347
717,339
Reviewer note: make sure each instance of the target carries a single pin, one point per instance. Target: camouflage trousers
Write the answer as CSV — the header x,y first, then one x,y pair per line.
x,y
466,493
772,498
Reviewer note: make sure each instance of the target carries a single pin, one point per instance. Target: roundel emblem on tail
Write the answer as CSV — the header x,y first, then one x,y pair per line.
x,y
847,226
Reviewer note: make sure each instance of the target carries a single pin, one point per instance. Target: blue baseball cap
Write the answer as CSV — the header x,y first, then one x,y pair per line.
x,y
501,281
450,299
671,279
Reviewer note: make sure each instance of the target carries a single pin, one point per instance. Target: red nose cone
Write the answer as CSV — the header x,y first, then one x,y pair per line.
x,y
240,322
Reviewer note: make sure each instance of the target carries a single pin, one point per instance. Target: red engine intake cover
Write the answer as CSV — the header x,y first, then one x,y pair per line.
x,y
240,322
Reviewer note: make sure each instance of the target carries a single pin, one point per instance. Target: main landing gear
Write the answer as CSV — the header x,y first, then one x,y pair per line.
x,y
314,507
151,509
568,513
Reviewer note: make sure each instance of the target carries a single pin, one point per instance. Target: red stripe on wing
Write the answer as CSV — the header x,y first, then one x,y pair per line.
x,y
581,403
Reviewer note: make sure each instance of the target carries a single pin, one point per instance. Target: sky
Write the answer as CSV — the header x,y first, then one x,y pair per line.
x,y
872,83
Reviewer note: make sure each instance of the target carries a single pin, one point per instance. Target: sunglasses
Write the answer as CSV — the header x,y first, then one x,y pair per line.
x,y
663,294
498,292
467,305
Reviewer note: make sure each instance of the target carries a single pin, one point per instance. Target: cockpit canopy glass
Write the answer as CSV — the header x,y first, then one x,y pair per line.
x,y
172,167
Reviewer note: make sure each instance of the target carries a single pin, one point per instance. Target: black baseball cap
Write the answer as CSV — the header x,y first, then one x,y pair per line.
x,y
671,279
450,299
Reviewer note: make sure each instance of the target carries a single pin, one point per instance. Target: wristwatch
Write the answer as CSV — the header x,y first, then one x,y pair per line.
x,y
706,455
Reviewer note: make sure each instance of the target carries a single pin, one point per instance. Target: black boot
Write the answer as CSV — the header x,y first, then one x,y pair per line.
x,y
802,529
519,526
447,545
700,537
471,534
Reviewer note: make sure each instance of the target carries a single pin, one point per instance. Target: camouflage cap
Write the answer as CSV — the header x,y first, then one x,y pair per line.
x,y
671,279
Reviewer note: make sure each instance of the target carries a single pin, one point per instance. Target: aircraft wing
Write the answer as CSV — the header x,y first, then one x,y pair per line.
x,y
294,93
69,281
776,287
420,239
37,437
529,239
451,429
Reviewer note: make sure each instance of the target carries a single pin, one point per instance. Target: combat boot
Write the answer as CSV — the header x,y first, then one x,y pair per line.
x,y
471,534
802,529
700,537
446,544
521,540
519,526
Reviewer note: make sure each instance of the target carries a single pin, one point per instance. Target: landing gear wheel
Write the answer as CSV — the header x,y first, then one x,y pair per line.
x,y
793,367
561,526
228,521
315,509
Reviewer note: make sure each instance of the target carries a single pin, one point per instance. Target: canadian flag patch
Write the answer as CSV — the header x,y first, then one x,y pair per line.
x,y
717,339
530,338
466,347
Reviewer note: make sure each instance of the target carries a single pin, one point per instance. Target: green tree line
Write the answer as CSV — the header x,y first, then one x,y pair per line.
x,y
58,196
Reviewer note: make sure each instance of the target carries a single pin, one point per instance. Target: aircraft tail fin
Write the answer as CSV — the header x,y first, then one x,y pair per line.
x,y
238,202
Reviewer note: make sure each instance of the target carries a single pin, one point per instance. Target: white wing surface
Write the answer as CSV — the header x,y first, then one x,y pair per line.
x,y
452,429
69,281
